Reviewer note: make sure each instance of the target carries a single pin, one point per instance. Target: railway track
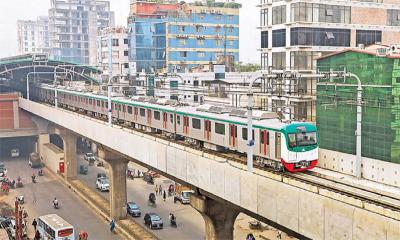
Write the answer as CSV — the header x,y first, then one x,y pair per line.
x,y
320,181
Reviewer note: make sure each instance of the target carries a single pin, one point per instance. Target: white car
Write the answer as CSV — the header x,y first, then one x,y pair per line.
x,y
15,152
103,184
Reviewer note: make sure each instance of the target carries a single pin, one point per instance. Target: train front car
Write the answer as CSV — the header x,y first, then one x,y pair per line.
x,y
299,147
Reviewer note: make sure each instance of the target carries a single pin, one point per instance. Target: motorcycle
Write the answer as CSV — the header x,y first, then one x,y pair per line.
x,y
21,199
40,172
55,204
33,179
152,199
173,223
19,183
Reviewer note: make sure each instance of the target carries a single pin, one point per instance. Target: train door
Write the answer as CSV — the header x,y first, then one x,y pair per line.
x,y
149,117
232,135
165,120
278,145
135,114
264,142
207,130
186,125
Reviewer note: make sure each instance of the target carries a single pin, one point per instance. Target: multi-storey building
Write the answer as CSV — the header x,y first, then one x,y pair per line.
x,y
294,33
183,37
73,28
114,40
33,36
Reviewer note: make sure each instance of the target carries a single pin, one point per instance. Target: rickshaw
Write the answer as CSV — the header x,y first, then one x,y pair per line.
x,y
4,187
130,174
83,169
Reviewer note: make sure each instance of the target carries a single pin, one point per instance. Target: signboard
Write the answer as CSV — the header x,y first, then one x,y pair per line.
x,y
219,71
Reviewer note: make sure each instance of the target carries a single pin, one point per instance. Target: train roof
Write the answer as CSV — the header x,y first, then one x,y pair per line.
x,y
228,114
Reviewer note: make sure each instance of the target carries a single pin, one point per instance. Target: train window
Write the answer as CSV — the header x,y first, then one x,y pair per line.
x,y
244,133
90,101
262,137
123,108
292,140
129,109
171,118
157,115
196,123
178,119
98,103
220,128
142,112
106,104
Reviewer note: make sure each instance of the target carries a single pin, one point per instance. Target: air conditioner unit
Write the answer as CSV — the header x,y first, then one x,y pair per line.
x,y
395,49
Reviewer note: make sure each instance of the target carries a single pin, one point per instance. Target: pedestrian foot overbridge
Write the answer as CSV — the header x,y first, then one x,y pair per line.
x,y
224,187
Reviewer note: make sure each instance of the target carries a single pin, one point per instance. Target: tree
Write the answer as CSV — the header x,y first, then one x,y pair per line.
x,y
249,67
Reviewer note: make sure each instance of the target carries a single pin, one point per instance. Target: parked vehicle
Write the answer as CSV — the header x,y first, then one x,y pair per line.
x,y
152,174
133,209
182,194
89,157
34,160
54,225
101,175
149,179
103,184
15,152
153,221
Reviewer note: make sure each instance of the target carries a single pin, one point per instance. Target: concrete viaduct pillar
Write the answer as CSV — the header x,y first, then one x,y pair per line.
x,y
117,170
70,158
219,217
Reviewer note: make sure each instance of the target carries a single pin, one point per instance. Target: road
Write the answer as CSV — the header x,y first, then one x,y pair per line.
x,y
39,198
190,222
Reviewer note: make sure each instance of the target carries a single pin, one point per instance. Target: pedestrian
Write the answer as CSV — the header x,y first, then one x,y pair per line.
x,y
112,225
279,235
250,236
160,190
34,224
165,195
37,235
156,189
25,214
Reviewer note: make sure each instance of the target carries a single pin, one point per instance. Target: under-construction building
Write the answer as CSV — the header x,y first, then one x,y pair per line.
x,y
379,72
294,33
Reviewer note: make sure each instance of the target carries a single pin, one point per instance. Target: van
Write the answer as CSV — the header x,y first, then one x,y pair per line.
x,y
34,160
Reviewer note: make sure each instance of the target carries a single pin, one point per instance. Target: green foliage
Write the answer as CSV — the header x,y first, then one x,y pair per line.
x,y
250,67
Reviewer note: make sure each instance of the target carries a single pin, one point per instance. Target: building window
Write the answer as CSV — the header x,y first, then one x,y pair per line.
x,y
157,115
217,17
367,37
320,37
201,15
264,61
196,123
200,42
183,54
302,60
220,128
279,14
182,42
218,42
230,43
393,17
264,17
218,29
264,39
278,60
126,65
201,54
230,29
126,53
126,41
115,43
230,17
199,28
181,28
314,12
279,38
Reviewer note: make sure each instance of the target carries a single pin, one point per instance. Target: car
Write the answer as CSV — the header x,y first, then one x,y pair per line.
x,y
153,221
89,157
101,175
133,209
103,184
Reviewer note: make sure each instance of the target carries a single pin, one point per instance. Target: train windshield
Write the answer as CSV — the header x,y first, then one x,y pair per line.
x,y
302,139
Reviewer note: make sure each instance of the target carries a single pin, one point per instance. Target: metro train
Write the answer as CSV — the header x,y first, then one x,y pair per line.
x,y
291,146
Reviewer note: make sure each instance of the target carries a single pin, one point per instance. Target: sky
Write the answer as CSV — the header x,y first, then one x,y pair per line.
x,y
11,11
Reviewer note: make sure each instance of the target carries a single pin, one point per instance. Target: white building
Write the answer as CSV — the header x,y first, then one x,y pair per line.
x,y
115,40
33,35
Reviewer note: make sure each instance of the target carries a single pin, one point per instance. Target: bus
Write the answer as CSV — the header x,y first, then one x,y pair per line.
x,y
53,227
